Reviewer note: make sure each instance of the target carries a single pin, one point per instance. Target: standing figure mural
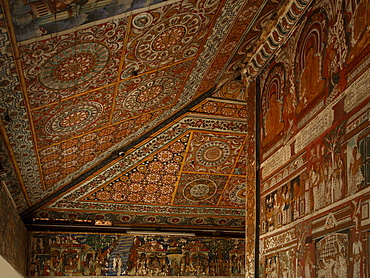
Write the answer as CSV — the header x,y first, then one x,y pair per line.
x,y
357,256
355,176
272,105
355,164
357,24
310,67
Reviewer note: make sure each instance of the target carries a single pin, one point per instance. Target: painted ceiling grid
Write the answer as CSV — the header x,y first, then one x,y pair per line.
x,y
84,81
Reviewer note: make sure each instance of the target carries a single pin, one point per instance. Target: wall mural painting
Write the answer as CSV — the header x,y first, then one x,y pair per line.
x,y
287,266
279,265
287,203
326,168
122,254
304,251
315,106
357,18
272,267
37,18
234,89
357,249
358,166
13,235
332,256
272,105
311,68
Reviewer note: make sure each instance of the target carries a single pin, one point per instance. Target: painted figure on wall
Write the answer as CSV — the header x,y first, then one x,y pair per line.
x,y
358,21
336,178
298,199
311,81
318,185
332,256
310,56
357,256
289,115
108,255
36,18
286,265
325,177
117,264
355,176
270,209
271,269
321,185
286,196
272,112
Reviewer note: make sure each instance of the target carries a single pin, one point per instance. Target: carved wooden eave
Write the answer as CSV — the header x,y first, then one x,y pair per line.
x,y
275,34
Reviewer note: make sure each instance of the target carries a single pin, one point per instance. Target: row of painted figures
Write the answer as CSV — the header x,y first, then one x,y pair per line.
x,y
333,257
196,264
199,264
321,186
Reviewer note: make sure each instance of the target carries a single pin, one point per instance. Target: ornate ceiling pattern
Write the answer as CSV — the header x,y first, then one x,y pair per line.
x,y
83,81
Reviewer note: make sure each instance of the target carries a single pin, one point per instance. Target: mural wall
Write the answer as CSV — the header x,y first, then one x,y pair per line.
x,y
315,147
13,234
68,254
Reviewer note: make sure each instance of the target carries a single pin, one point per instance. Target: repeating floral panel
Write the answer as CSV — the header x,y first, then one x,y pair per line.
x,y
152,146
72,117
153,181
73,63
150,91
221,108
199,189
168,35
235,193
63,159
213,153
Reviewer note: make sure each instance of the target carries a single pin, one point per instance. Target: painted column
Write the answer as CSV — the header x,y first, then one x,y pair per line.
x,y
251,190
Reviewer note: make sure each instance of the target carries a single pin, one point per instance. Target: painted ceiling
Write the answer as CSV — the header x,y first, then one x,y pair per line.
x,y
129,111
